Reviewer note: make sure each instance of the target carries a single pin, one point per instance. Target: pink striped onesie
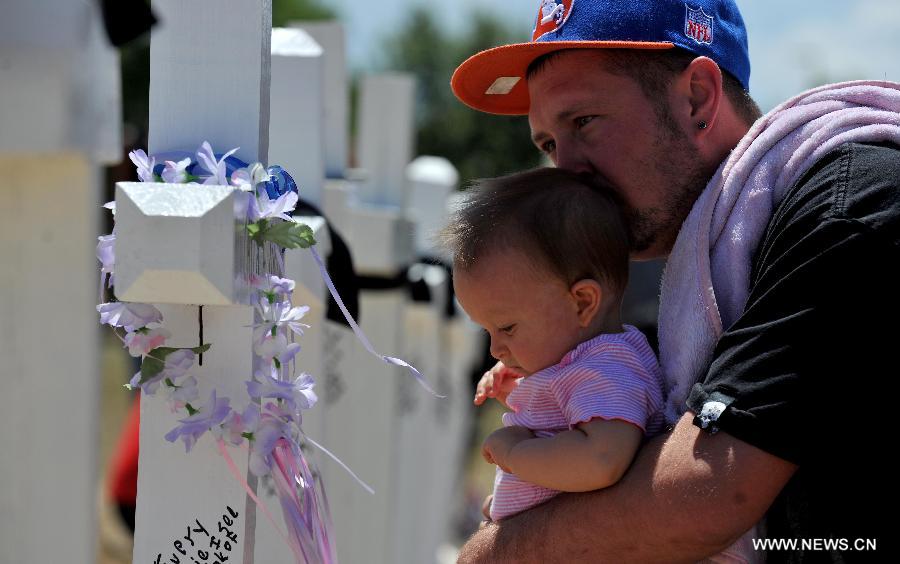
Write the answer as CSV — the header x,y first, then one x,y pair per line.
x,y
612,376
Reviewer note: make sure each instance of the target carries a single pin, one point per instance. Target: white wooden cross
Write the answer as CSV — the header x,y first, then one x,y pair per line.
x,y
362,419
60,120
434,432
181,247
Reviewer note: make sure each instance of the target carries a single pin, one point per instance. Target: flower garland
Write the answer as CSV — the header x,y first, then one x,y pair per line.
x,y
271,423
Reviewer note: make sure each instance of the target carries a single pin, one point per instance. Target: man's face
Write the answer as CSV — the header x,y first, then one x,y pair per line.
x,y
591,121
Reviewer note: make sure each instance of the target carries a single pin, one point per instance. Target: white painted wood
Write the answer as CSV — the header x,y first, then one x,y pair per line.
x,y
459,353
50,187
360,429
454,417
297,126
296,143
174,487
49,350
431,181
209,80
381,239
300,267
336,201
310,290
209,76
60,90
176,246
330,36
385,140
418,441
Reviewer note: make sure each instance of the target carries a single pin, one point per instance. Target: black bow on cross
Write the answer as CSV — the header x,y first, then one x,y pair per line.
x,y
126,20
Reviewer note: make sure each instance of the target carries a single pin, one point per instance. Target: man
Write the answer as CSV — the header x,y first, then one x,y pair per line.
x,y
787,420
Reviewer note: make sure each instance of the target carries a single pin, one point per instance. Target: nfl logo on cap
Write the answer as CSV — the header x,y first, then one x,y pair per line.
x,y
495,80
698,26
551,16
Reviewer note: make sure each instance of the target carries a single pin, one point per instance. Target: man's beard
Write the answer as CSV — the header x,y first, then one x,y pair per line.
x,y
678,163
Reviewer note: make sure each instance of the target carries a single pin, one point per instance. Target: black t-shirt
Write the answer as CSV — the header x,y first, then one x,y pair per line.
x,y
811,366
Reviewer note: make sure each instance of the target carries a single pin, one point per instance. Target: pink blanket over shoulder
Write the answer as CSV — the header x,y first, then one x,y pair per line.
x,y
706,282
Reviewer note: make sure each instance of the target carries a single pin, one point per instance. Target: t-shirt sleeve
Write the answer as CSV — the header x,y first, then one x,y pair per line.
x,y
618,388
809,350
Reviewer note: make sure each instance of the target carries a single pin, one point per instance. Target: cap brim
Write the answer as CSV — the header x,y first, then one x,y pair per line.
x,y
493,81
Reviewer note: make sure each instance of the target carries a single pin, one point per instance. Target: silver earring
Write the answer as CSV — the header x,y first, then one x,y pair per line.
x,y
702,125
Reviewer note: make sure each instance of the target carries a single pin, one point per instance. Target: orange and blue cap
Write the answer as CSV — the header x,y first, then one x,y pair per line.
x,y
493,81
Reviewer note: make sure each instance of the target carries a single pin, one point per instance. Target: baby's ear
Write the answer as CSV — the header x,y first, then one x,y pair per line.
x,y
588,296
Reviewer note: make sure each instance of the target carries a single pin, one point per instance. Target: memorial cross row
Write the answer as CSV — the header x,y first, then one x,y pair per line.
x,y
216,245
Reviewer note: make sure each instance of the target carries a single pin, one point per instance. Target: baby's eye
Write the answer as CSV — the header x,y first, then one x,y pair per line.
x,y
583,120
548,147
509,329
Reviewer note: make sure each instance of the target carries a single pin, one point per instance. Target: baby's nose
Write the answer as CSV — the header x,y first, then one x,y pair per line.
x,y
498,350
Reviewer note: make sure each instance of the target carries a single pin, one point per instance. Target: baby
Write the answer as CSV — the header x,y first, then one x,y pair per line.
x,y
541,263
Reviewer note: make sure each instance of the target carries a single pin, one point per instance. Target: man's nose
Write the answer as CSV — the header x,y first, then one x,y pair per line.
x,y
572,157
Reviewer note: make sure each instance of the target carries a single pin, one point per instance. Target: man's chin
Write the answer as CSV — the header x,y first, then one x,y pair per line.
x,y
647,255
650,242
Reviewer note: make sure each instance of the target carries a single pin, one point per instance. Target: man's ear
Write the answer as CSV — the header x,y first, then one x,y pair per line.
x,y
699,92
587,296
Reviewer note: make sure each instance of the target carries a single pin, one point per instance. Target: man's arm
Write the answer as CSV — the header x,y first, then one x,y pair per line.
x,y
688,495
593,455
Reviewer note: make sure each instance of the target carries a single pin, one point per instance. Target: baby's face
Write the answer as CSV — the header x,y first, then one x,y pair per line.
x,y
529,313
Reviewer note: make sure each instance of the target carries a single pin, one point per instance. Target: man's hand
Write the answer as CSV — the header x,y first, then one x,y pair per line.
x,y
687,496
498,444
497,383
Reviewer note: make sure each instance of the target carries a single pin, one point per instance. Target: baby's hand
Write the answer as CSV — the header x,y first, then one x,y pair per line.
x,y
497,382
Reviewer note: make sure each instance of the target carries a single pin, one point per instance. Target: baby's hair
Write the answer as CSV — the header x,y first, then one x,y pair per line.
x,y
561,220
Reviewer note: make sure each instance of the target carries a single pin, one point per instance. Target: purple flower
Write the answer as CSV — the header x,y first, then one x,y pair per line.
x,y
237,424
144,164
272,284
129,316
297,395
142,342
180,395
106,255
136,381
218,174
267,434
208,416
176,365
262,207
176,173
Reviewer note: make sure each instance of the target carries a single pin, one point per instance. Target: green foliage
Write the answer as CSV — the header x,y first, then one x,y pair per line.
x,y
478,144
290,235
286,11
155,361
287,234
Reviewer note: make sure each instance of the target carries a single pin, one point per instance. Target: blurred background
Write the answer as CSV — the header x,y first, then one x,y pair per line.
x,y
793,46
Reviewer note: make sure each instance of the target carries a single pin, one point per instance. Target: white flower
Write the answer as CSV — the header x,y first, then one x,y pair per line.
x,y
270,347
216,168
144,164
247,178
176,173
129,316
279,314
